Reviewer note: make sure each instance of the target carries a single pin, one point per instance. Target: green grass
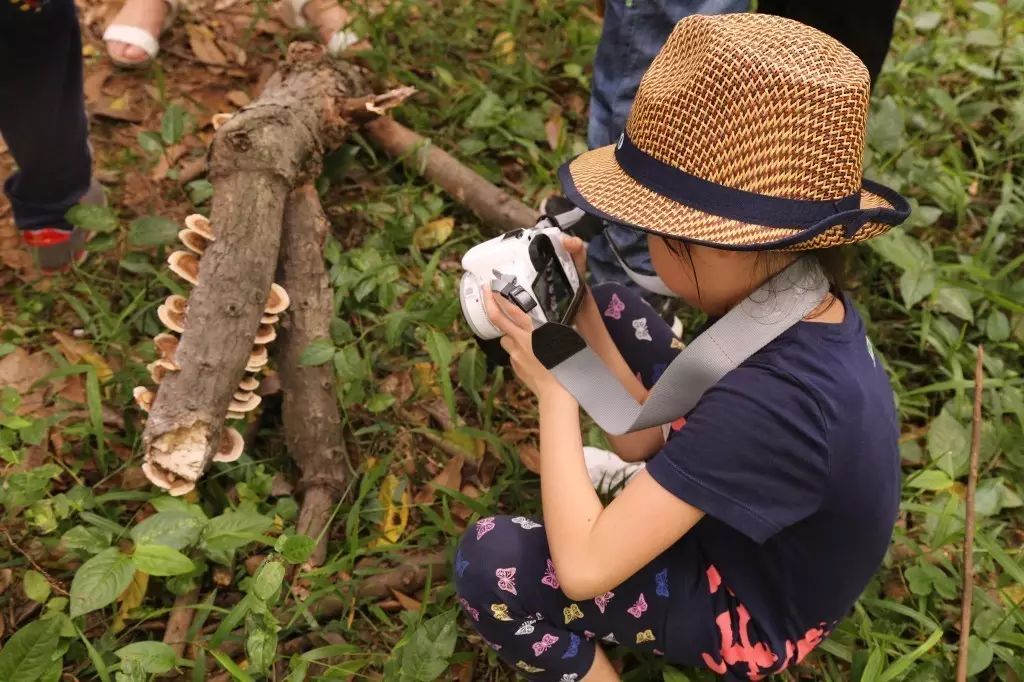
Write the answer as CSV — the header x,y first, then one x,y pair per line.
x,y
947,130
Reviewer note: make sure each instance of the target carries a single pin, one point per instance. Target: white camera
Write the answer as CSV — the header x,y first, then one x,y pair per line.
x,y
529,267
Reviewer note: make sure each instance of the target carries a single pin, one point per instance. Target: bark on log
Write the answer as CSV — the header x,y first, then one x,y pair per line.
x,y
257,157
312,424
179,621
497,209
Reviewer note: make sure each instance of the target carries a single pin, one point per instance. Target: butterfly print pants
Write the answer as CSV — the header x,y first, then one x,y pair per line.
x,y
507,583
508,588
42,111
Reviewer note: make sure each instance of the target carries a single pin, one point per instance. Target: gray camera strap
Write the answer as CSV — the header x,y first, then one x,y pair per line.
x,y
769,311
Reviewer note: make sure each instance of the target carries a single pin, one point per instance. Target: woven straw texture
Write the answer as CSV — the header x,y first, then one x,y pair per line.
x,y
750,101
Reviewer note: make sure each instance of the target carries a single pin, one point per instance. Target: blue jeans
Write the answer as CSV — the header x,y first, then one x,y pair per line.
x,y
42,111
634,31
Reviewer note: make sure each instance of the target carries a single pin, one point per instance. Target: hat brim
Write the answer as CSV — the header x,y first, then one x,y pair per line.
x,y
596,183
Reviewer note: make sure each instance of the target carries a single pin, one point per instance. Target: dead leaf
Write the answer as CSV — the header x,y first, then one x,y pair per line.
x,y
6,578
407,602
203,45
504,47
459,438
450,477
398,385
553,127
425,378
238,98
131,598
434,233
76,351
93,84
396,514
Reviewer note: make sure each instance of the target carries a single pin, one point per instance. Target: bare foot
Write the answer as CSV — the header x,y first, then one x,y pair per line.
x,y
148,15
327,16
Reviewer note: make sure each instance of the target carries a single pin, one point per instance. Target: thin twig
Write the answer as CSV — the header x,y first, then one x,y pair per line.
x,y
972,482
179,621
53,583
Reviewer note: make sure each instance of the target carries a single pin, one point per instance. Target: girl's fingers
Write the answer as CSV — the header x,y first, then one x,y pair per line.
x,y
496,316
520,321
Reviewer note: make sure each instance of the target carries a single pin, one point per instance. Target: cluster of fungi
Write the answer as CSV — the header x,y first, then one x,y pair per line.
x,y
196,236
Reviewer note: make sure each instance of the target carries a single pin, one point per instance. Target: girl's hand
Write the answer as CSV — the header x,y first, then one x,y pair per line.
x,y
577,248
517,342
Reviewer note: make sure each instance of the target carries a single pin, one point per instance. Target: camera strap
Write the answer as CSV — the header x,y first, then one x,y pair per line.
x,y
777,305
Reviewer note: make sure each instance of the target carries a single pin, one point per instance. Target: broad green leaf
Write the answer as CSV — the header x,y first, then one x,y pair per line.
x,y
152,231
380,402
161,560
954,301
172,125
425,657
199,191
997,326
150,142
295,548
36,587
176,529
979,655
670,674
317,352
260,642
29,653
927,21
948,444
231,530
930,479
488,113
266,583
155,658
434,233
92,218
86,539
885,126
916,284
99,581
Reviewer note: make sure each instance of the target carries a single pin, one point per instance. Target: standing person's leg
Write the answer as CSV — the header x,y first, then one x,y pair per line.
x,y
42,120
632,36
864,27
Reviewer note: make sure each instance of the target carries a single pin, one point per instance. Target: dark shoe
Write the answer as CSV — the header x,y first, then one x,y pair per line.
x,y
55,248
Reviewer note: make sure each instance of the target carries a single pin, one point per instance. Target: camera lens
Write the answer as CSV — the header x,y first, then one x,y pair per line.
x,y
472,300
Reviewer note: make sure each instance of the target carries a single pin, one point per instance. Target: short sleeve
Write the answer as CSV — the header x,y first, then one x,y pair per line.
x,y
753,453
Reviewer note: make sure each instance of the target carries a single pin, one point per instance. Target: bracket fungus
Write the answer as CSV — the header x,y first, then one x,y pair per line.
x,y
166,345
143,397
159,369
278,300
173,484
265,334
249,383
171,316
217,120
195,242
258,359
231,445
199,223
185,264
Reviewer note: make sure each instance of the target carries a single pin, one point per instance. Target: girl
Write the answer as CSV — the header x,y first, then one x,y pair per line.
x,y
753,529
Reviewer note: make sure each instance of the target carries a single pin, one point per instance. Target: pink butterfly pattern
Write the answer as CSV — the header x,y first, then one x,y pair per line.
x,y
545,643
484,526
602,600
615,308
637,609
550,579
507,580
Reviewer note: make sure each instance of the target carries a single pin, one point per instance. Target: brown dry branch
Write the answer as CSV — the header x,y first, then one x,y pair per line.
x,y
312,423
972,484
179,621
498,210
270,147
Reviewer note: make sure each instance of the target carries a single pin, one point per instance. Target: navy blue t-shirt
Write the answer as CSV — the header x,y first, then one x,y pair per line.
x,y
793,457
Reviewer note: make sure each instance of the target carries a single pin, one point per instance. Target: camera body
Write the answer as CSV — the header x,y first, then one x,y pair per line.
x,y
529,267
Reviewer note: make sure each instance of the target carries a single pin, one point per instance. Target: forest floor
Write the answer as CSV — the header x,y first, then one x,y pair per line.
x,y
435,438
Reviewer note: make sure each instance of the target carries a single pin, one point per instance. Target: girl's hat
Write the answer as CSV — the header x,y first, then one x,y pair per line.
x,y
747,133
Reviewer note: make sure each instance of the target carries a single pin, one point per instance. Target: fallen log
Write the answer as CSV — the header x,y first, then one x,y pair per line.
x,y
496,209
312,423
258,156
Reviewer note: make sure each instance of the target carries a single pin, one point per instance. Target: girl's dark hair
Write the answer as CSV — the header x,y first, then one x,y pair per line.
x,y
834,262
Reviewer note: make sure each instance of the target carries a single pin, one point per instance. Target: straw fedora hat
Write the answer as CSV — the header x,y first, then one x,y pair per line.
x,y
747,133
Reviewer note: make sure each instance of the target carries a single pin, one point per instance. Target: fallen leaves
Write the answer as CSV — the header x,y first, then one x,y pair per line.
x,y
434,233
204,45
394,497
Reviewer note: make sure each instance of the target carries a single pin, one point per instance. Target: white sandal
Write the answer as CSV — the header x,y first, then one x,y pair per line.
x,y
340,41
140,38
